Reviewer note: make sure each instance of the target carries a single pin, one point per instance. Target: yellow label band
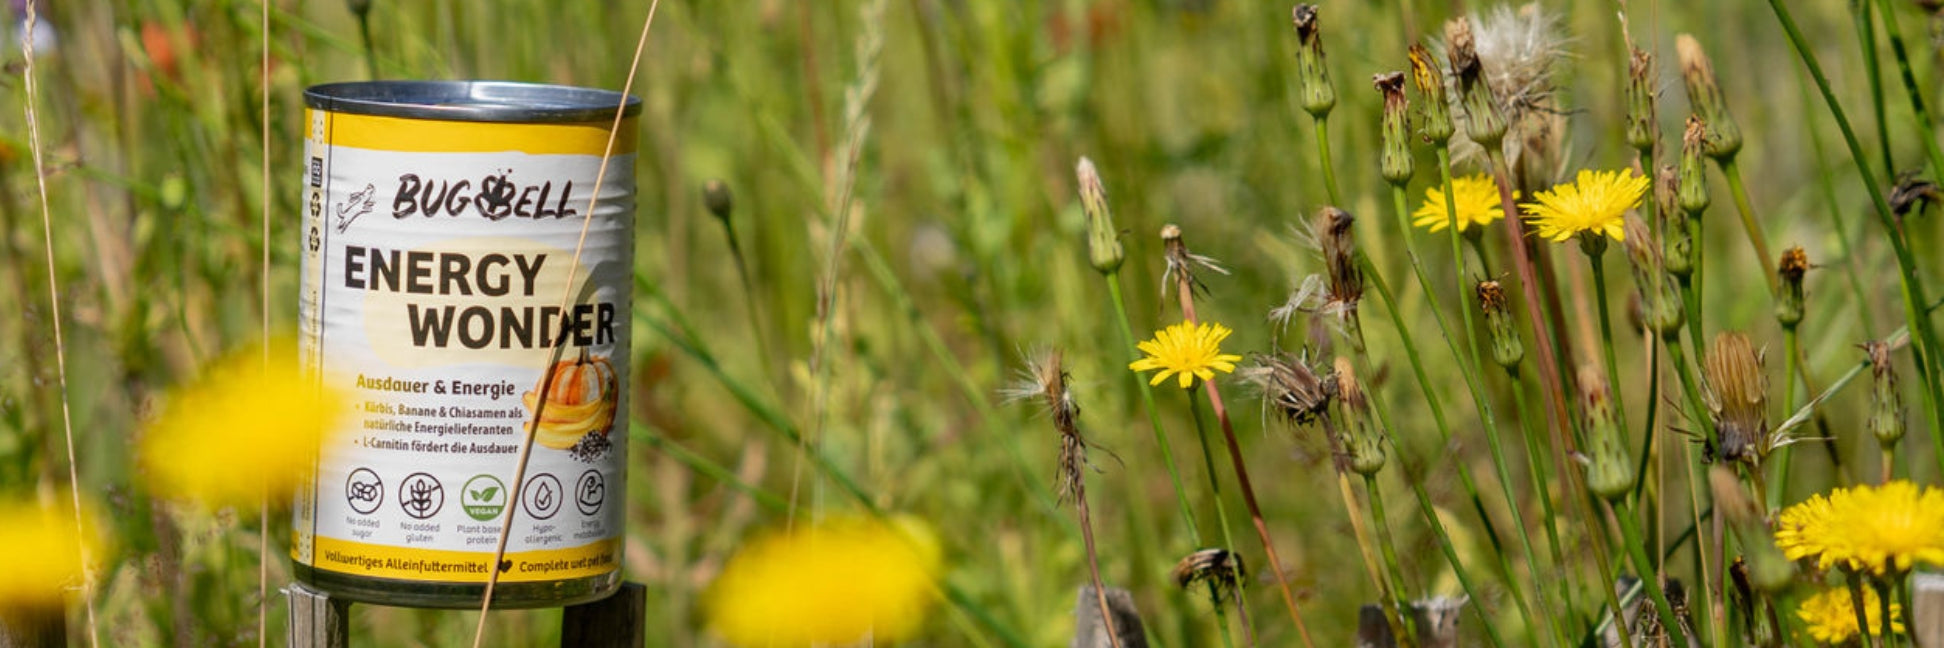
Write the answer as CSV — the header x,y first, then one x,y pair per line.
x,y
431,136
436,565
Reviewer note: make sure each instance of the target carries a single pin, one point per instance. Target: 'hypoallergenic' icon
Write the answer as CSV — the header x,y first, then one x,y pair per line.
x,y
421,496
542,496
589,492
364,491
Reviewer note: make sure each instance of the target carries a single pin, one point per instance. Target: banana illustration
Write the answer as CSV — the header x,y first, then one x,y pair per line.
x,y
580,402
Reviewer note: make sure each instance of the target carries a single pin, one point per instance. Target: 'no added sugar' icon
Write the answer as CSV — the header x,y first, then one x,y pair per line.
x,y
364,491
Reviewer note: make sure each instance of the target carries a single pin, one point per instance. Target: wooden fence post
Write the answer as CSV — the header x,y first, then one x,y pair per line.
x,y
617,621
316,619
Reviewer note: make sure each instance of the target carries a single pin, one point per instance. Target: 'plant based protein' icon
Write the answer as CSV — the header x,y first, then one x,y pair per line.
x,y
421,496
589,492
542,496
484,497
364,491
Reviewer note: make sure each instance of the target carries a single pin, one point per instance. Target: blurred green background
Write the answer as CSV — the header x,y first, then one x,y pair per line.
x,y
967,247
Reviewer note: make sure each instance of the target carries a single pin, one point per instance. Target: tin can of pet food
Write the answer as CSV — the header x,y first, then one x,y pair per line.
x,y
457,281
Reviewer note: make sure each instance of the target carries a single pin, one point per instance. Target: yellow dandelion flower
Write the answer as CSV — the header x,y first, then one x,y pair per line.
x,y
1801,531
1831,615
840,581
1880,529
242,431
1476,197
43,556
1595,204
1190,350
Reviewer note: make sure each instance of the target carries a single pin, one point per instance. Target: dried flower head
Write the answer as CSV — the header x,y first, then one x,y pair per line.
x,y
1434,108
1045,379
1737,397
1476,197
1593,205
1394,161
1789,297
838,581
1913,193
1723,135
1312,74
1291,388
1182,263
1220,569
1886,403
1484,124
1516,50
1188,350
1335,234
1103,239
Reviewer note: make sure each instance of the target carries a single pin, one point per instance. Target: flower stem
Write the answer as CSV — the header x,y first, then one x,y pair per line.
x,y
1606,335
1154,416
1221,510
1471,371
1919,112
1924,338
1873,68
1444,435
1323,154
1859,605
1184,289
1756,239
1637,549
1548,360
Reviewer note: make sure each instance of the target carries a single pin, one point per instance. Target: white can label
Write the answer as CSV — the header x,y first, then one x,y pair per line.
x,y
441,292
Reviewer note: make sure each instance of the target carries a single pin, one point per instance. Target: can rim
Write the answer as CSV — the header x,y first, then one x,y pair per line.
x,y
471,101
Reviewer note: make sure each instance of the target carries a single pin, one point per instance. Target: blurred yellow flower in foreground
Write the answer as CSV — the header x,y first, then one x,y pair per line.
x,y
840,581
43,554
1831,615
241,431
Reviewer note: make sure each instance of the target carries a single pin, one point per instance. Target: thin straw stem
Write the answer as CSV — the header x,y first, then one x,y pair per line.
x,y
1221,510
1154,416
1753,229
32,90
1637,549
1919,112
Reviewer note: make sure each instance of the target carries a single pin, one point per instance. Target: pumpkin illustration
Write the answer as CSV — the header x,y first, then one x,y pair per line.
x,y
580,401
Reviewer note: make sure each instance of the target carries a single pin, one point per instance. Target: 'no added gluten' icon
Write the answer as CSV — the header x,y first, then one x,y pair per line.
x,y
421,496
364,491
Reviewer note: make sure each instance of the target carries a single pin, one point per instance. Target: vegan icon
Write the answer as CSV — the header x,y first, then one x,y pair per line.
x,y
484,497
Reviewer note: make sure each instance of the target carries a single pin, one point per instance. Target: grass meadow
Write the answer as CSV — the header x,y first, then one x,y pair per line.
x,y
906,236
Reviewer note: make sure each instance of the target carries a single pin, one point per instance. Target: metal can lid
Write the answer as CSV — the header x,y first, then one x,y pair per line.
x,y
470,101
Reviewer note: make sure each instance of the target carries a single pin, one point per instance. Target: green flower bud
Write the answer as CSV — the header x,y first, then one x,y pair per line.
x,y
1363,445
1312,75
1724,138
1483,122
1103,239
1886,403
1694,178
1677,241
1660,301
1642,127
1507,349
1609,471
1434,109
1788,300
1395,160
716,197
